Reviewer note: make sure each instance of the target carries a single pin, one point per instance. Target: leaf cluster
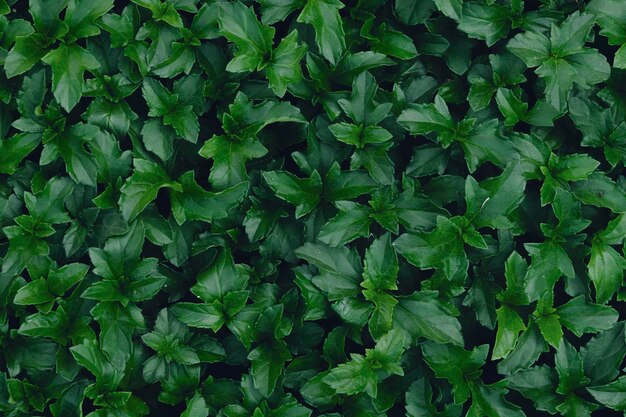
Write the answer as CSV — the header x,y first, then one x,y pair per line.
x,y
298,208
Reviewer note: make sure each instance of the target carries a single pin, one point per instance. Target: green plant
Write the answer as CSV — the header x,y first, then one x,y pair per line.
x,y
297,208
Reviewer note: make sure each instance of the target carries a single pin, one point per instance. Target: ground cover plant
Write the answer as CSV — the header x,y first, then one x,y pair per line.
x,y
294,208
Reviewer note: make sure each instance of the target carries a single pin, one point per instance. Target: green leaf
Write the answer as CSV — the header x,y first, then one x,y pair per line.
x,y
13,150
539,385
26,52
111,162
81,16
48,205
117,325
246,119
428,118
64,278
142,187
46,17
615,231
194,203
530,345
185,123
351,65
388,351
80,164
510,324
222,277
457,365
204,316
352,222
33,293
165,12
267,365
440,249
346,185
196,407
273,11
569,366
511,106
581,317
253,40
166,329
451,8
532,47
353,377
389,41
574,167
576,406
380,265
480,93
159,99
376,161
284,67
549,263
488,400
158,138
611,395
603,355
359,135
303,193
591,66
569,37
489,22
421,315
381,319
323,15
361,107
484,143
562,60
515,274
340,269
419,401
600,191
606,270
503,195
114,117
88,355
550,327
560,76
548,320
413,12
69,63
181,60
120,27
229,159
610,16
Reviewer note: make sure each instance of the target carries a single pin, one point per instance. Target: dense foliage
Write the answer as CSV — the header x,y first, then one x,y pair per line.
x,y
294,208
